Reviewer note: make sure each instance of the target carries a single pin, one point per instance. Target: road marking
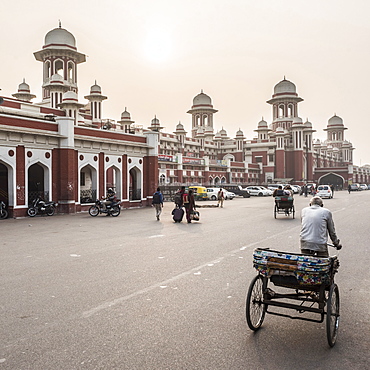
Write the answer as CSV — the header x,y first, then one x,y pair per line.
x,y
120,300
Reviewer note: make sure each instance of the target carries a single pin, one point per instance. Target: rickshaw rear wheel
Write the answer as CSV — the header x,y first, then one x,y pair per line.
x,y
332,315
293,211
255,309
275,210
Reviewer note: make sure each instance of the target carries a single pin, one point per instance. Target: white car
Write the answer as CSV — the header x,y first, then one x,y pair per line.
x,y
212,193
296,189
259,191
324,191
363,186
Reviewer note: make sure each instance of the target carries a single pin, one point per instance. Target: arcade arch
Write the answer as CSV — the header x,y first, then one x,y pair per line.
x,y
135,183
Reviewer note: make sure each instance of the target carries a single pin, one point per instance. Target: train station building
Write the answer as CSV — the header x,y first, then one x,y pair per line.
x,y
64,150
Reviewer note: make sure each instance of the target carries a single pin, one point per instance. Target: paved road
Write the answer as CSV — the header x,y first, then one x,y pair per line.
x,y
134,293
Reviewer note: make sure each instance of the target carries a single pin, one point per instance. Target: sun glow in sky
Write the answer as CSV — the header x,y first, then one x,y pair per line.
x,y
154,57
157,46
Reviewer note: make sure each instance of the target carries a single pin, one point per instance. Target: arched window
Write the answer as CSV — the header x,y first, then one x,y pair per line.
x,y
281,111
59,67
71,72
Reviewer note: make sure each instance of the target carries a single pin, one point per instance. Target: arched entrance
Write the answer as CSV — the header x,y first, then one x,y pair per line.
x,y
88,184
113,180
216,180
332,178
4,193
135,184
38,182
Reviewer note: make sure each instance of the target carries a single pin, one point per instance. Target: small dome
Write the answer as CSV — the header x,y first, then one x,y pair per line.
x,y
180,127
280,130
335,121
308,124
223,132
285,86
56,78
70,97
239,133
24,87
336,149
262,124
209,130
202,99
200,131
95,89
218,135
125,115
59,37
155,121
297,121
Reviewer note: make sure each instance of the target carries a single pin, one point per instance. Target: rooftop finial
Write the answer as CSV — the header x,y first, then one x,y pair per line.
x,y
60,24
284,78
201,91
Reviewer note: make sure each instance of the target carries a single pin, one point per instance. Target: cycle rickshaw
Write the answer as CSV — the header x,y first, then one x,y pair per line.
x,y
305,284
284,205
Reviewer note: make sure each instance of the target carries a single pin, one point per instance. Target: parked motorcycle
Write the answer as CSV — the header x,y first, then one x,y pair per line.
x,y
99,207
41,207
3,211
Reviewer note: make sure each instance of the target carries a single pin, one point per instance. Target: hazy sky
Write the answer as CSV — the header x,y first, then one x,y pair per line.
x,y
155,56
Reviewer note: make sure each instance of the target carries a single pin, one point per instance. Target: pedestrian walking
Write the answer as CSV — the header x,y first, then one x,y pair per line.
x,y
332,190
221,198
189,204
349,189
157,202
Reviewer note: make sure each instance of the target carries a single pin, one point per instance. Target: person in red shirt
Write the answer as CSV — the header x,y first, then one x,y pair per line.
x,y
189,204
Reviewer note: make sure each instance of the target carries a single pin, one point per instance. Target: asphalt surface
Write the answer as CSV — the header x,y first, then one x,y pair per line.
x,y
132,292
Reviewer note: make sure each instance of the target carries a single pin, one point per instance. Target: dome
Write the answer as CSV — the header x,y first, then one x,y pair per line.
x,y
155,121
335,121
95,89
223,132
297,121
262,124
202,99
279,130
308,124
56,78
285,86
180,127
200,131
125,115
239,133
209,129
70,97
24,87
59,37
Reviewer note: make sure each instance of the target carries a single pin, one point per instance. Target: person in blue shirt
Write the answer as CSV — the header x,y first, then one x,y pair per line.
x,y
157,202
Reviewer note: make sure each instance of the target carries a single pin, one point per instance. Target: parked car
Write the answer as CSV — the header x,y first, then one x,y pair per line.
x,y
212,193
273,187
228,194
296,189
355,187
324,191
259,191
237,190
363,186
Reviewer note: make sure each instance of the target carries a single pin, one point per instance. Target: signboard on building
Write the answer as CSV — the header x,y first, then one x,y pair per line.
x,y
193,161
166,158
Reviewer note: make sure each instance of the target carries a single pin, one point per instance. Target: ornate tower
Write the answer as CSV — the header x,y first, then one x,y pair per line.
x,y
95,98
202,114
59,56
24,92
284,105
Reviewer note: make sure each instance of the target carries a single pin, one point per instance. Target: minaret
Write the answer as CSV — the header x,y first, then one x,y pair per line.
x,y
59,55
262,130
155,125
126,122
24,92
71,106
95,99
284,105
202,114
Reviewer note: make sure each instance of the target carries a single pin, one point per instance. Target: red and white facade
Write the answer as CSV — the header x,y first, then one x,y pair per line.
x,y
65,151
